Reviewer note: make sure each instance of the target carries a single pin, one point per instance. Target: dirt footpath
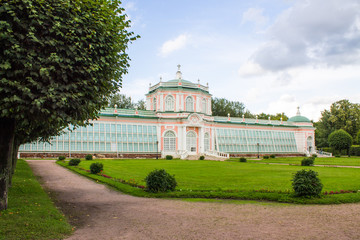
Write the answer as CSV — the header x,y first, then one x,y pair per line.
x,y
101,213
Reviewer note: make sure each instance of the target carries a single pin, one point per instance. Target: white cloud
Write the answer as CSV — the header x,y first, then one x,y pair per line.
x,y
250,69
174,44
313,32
254,15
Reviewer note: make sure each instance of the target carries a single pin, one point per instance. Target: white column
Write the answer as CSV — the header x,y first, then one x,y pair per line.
x,y
201,140
184,137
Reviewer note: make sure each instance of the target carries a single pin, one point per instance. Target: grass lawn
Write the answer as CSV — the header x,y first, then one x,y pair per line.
x,y
31,214
227,179
341,161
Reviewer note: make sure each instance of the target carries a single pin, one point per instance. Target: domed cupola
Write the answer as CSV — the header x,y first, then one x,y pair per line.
x,y
298,118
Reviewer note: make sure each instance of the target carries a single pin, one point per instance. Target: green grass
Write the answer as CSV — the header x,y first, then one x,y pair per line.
x,y
234,180
31,214
342,161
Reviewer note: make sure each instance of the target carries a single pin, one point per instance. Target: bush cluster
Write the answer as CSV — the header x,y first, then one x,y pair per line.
x,y
306,183
308,161
169,157
88,157
272,156
97,167
314,155
201,157
266,157
74,162
160,181
61,158
242,159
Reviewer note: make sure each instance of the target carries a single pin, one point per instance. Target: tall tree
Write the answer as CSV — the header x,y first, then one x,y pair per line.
x,y
59,63
342,115
222,106
121,101
277,116
141,105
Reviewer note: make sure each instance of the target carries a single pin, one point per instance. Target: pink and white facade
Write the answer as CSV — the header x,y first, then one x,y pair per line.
x,y
178,121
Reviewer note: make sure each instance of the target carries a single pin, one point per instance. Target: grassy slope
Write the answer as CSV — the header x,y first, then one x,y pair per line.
x,y
31,214
211,179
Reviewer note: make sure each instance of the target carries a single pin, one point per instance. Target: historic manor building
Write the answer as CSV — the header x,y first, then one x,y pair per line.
x,y
179,122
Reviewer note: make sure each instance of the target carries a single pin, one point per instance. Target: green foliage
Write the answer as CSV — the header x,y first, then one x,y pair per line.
x,y
168,157
308,161
355,150
340,140
201,157
222,106
358,137
160,181
242,159
74,162
121,101
277,116
272,156
314,155
337,155
96,167
61,158
265,157
88,157
342,115
306,183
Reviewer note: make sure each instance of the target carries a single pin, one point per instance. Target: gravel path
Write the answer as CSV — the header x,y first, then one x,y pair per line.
x,y
101,213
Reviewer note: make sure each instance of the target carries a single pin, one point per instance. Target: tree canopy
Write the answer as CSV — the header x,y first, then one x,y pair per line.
x,y
342,115
122,101
59,63
340,140
222,107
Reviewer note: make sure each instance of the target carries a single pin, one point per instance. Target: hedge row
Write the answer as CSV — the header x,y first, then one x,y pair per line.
x,y
354,150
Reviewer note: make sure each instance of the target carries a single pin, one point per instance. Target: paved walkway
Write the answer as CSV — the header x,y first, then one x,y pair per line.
x,y
101,213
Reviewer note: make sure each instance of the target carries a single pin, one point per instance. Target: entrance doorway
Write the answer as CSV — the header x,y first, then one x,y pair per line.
x,y
191,142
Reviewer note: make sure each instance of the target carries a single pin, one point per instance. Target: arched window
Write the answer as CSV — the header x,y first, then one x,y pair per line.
x,y
191,141
189,104
154,104
169,103
204,105
206,142
169,141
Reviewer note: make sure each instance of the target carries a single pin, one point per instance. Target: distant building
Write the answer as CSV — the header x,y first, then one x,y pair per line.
x,y
178,121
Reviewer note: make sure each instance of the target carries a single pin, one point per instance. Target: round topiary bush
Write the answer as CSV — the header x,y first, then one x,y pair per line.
x,y
272,156
88,157
314,155
61,158
74,162
97,167
307,161
242,159
340,140
266,157
160,181
201,157
306,183
169,157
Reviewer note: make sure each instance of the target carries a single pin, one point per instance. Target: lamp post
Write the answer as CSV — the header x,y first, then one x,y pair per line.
x,y
258,150
157,149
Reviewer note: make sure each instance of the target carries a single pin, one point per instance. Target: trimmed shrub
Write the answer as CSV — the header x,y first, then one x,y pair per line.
x,y
306,183
242,159
89,157
307,161
337,155
314,155
61,158
265,157
74,162
340,140
201,157
97,167
160,181
169,157
272,156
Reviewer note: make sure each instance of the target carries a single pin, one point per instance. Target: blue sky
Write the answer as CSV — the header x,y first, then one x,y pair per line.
x,y
271,55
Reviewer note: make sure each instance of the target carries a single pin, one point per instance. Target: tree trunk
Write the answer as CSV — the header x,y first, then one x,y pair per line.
x,y
7,133
14,159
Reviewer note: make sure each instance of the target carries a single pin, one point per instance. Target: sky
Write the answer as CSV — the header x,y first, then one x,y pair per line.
x,y
273,56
